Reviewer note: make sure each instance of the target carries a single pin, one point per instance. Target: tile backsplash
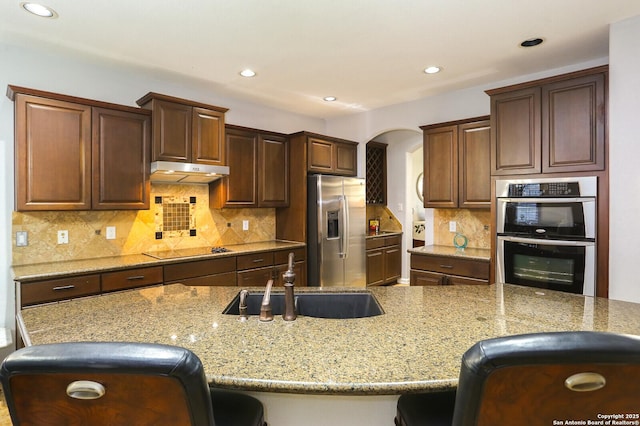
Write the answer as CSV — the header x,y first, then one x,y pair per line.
x,y
473,224
136,231
388,222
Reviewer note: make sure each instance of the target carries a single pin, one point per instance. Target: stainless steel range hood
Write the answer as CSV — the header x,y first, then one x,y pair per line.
x,y
173,172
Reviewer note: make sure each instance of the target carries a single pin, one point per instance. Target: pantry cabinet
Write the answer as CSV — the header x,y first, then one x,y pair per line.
x,y
457,164
185,130
311,153
79,154
551,125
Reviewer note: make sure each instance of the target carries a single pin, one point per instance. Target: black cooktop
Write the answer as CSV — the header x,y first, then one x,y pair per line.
x,y
186,252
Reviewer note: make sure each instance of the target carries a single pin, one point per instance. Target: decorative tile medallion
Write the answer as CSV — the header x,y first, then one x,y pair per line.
x,y
175,216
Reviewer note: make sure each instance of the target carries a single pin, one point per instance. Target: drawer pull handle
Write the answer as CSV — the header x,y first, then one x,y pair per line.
x,y
136,277
447,266
258,260
64,287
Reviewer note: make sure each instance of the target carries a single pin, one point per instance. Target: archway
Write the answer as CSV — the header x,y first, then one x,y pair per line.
x,y
404,164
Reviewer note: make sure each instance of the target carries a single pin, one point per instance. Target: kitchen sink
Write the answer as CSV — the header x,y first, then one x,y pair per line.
x,y
342,305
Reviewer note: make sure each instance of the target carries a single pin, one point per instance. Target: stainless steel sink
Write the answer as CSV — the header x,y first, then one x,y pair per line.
x,y
343,305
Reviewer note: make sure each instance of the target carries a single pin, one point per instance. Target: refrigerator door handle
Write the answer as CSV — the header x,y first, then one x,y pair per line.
x,y
344,229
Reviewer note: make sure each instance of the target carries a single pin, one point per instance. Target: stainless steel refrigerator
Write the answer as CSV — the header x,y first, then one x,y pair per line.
x,y
336,230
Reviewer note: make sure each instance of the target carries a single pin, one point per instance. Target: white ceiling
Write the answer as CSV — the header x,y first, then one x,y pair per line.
x,y
367,53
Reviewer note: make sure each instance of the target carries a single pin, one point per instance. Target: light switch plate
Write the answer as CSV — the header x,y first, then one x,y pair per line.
x,y
245,225
452,226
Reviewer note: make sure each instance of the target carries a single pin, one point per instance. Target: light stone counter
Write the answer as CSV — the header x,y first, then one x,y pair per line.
x,y
450,251
40,271
415,346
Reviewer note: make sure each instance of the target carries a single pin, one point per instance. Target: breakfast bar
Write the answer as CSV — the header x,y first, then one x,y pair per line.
x,y
317,363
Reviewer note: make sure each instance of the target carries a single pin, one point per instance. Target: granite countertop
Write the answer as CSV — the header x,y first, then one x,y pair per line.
x,y
383,234
39,271
415,346
450,251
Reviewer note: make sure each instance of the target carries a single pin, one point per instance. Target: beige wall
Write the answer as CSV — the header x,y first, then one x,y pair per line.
x,y
135,230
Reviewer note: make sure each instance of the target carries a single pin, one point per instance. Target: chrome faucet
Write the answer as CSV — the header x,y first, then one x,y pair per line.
x,y
289,299
266,314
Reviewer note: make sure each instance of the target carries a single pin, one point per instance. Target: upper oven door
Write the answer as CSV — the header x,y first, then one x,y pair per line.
x,y
554,218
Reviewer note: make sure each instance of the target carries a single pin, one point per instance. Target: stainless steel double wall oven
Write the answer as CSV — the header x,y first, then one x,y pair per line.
x,y
547,233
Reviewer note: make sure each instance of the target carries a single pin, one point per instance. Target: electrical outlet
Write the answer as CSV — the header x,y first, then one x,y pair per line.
x,y
111,233
22,239
245,225
452,226
63,237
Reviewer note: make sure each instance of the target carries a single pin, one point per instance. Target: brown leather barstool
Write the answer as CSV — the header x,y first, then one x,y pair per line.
x,y
534,379
108,383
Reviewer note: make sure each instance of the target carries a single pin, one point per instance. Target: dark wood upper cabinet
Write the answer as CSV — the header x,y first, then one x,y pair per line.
x,y
332,156
258,170
551,125
573,124
515,120
474,165
120,181
185,130
441,166
273,171
457,163
79,154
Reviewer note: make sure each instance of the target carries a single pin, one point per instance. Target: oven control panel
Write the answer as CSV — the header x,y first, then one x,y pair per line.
x,y
546,189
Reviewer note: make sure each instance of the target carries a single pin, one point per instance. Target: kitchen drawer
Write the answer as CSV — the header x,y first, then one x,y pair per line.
x,y
224,279
450,265
255,277
131,278
59,289
282,256
393,240
374,243
255,260
200,268
377,242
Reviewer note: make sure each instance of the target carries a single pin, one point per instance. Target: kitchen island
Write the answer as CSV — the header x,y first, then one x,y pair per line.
x,y
322,371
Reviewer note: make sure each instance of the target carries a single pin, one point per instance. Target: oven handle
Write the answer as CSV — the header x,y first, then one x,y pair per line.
x,y
547,200
547,242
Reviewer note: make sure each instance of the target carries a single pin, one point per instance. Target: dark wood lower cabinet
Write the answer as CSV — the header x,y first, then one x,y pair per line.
x,y
212,272
429,269
384,260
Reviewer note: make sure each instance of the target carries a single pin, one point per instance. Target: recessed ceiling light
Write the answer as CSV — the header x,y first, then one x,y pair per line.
x,y
247,73
432,70
330,98
38,9
531,42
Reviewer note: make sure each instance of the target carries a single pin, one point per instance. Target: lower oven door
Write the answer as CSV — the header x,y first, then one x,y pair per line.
x,y
557,265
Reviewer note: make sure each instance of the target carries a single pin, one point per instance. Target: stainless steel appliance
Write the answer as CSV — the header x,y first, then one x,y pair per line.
x,y
336,229
547,232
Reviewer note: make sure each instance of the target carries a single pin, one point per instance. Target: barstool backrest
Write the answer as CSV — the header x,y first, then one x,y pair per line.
x,y
536,379
106,383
